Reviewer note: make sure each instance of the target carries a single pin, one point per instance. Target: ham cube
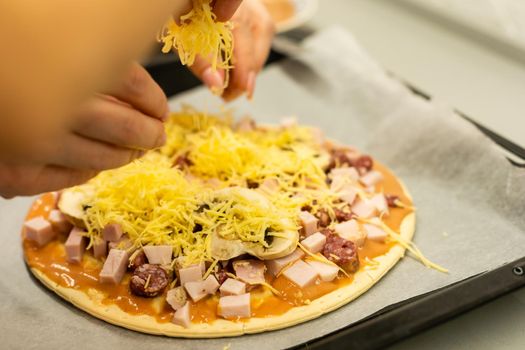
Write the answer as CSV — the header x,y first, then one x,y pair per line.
x,y
342,185
308,223
100,248
250,271
232,287
233,306
269,185
371,178
75,245
112,232
114,266
123,243
314,243
276,265
364,209
159,254
39,230
351,231
182,316
192,273
176,298
380,203
179,264
197,290
59,221
344,173
375,233
301,274
327,272
348,194
211,285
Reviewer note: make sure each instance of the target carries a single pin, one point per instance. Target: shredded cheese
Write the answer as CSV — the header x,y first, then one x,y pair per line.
x,y
147,282
199,34
159,203
408,245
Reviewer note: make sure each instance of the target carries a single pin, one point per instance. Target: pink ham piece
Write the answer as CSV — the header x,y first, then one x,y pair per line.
x,y
250,271
308,223
39,230
192,273
114,266
327,272
176,297
276,265
100,248
75,245
380,203
158,254
269,185
342,183
348,194
344,173
59,221
301,274
112,232
314,243
364,209
235,306
182,316
374,233
197,290
211,285
351,231
371,178
123,243
232,287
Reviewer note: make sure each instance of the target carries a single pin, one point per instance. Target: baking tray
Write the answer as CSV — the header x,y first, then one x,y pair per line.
x,y
413,315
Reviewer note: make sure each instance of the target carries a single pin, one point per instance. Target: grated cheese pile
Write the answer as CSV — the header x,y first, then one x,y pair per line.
x,y
157,203
199,34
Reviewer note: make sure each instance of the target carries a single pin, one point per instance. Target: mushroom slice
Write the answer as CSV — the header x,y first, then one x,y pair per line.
x,y
281,245
226,249
72,203
249,195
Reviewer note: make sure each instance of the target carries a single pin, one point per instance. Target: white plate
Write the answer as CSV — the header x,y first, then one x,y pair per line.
x,y
304,10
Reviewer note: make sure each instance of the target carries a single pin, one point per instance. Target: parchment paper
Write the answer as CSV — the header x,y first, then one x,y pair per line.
x,y
470,218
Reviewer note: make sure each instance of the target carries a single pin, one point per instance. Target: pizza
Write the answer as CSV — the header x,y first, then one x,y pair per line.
x,y
230,228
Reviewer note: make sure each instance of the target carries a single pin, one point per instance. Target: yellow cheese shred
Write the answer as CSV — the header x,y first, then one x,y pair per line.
x,y
199,34
158,203
408,245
